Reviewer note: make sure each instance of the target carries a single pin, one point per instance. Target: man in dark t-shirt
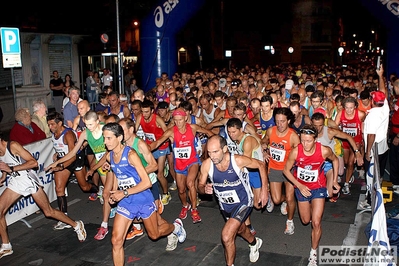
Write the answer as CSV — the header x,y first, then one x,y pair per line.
x,y
57,85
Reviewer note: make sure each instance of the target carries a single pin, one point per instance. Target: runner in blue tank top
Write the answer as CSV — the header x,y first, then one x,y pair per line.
x,y
134,197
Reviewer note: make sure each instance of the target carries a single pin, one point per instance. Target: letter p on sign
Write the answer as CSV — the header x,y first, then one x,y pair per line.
x,y
10,43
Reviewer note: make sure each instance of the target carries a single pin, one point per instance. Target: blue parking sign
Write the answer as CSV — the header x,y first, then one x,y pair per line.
x,y
10,43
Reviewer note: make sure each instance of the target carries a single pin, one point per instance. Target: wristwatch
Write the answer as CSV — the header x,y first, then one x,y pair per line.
x,y
126,193
356,151
12,169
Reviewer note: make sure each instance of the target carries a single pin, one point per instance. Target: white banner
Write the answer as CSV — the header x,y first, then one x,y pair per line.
x,y
43,152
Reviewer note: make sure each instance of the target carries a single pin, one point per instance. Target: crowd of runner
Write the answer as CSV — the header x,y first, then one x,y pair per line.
x,y
256,138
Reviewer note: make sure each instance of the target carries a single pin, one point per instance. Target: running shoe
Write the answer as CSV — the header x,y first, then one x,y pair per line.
x,y
112,213
283,208
93,196
270,204
289,227
173,186
352,179
181,233
195,216
183,212
166,198
364,205
101,233
312,258
134,232
60,226
334,197
5,251
346,189
254,250
172,242
80,231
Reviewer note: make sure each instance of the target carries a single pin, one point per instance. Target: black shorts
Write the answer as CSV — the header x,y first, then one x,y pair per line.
x,y
78,164
88,150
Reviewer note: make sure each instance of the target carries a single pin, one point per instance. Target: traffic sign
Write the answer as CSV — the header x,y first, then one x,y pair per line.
x,y
10,47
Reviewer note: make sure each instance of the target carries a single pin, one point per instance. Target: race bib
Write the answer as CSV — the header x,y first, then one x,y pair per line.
x,y
182,153
126,183
149,136
229,197
350,131
99,155
277,154
307,175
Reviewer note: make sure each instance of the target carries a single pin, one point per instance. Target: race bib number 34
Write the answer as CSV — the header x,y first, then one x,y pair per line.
x,y
183,153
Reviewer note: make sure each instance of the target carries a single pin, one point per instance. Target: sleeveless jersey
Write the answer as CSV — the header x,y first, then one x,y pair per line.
x,y
120,114
135,146
279,149
232,145
351,127
265,124
13,160
297,129
139,132
256,153
128,177
162,98
59,146
308,170
184,148
152,132
232,186
209,117
97,145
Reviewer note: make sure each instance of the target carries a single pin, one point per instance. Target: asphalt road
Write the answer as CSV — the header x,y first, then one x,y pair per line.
x,y
41,245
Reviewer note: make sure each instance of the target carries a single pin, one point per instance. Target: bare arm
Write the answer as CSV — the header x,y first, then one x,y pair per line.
x,y
71,153
203,187
167,134
332,132
144,149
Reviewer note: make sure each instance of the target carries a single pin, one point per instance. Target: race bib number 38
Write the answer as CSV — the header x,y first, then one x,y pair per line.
x,y
229,197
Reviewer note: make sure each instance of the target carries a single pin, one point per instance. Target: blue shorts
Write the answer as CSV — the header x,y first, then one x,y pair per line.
x,y
155,190
327,167
158,153
131,211
254,179
319,193
240,213
185,170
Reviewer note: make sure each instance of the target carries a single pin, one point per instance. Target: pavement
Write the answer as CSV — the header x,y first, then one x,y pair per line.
x,y
39,244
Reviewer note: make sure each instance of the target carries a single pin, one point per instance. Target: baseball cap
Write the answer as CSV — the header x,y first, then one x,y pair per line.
x,y
289,84
378,96
308,83
222,82
163,105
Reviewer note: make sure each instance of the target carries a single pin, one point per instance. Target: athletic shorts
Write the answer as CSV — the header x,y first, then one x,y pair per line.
x,y
131,211
254,179
319,193
276,176
185,170
158,153
240,213
88,150
327,166
78,164
155,190
23,184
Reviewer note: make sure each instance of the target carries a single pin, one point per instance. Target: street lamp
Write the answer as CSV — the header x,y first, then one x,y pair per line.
x,y
340,51
291,50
